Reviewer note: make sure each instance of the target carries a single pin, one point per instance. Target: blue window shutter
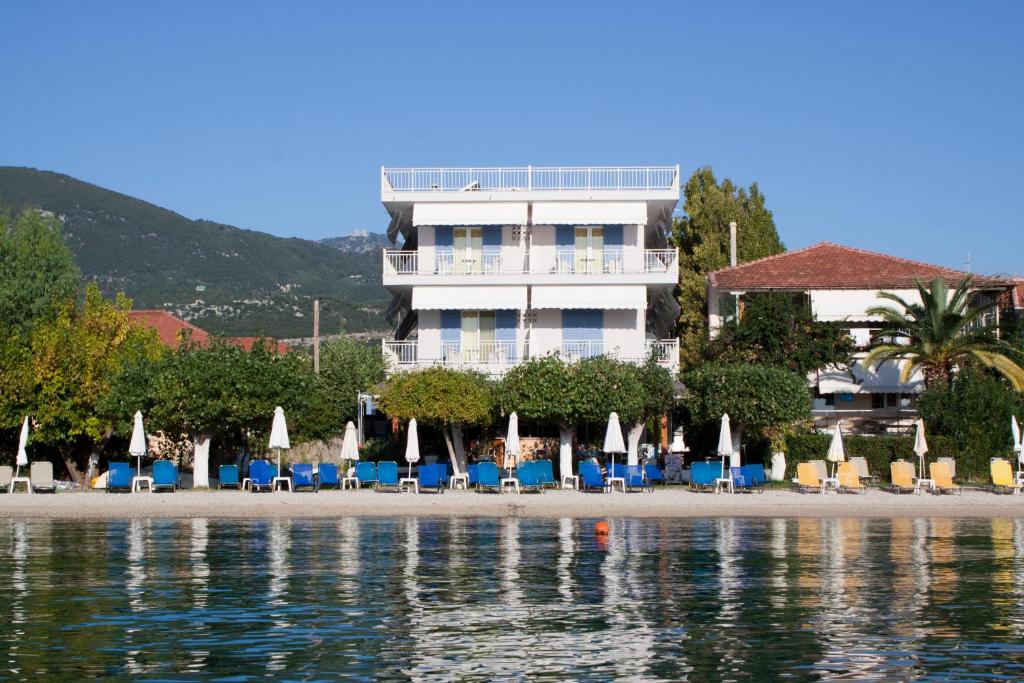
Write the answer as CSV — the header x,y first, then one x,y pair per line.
x,y
444,236
565,236
571,327
592,324
613,236
505,324
451,327
492,237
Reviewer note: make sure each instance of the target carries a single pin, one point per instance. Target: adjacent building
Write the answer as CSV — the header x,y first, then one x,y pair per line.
x,y
840,283
498,265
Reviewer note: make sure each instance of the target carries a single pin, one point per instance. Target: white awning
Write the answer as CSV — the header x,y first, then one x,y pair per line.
x,y
589,213
469,298
589,296
885,379
469,213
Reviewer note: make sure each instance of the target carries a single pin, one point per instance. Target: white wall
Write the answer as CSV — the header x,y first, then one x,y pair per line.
x,y
623,330
840,304
429,334
546,336
425,247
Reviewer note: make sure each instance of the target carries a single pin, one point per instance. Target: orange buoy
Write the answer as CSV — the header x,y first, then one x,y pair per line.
x,y
601,528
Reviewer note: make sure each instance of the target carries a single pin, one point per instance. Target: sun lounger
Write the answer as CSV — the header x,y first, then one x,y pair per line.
x,y
545,473
528,473
327,476
808,478
488,477
822,469
703,475
228,477
1002,477
366,473
654,474
849,478
387,476
951,462
302,477
862,469
472,472
41,477
754,476
6,474
261,476
635,480
942,478
165,475
119,477
432,477
901,473
590,477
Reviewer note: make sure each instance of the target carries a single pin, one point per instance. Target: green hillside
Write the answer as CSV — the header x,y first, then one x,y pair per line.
x,y
225,279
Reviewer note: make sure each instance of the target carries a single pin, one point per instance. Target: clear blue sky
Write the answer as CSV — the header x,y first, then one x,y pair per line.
x,y
888,126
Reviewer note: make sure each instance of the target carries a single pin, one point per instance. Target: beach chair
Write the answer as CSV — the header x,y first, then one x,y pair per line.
x,y
942,478
327,476
472,474
590,477
6,474
654,474
849,478
432,477
951,462
739,482
387,476
703,475
808,478
822,469
1002,477
488,477
546,473
302,477
261,476
862,469
635,481
755,477
119,477
901,475
228,477
41,477
165,475
366,473
528,473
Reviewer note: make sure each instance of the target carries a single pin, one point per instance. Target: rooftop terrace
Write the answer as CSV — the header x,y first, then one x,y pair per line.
x,y
529,179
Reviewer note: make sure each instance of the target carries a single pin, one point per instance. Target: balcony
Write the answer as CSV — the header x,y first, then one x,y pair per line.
x,y
496,358
529,179
663,262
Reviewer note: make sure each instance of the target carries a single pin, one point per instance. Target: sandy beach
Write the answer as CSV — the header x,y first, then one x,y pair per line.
x,y
672,502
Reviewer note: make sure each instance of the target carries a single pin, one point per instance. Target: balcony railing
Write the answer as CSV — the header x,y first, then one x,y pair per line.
x,y
529,179
566,261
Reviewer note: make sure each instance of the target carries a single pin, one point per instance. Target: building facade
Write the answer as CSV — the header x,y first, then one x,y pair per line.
x,y
503,264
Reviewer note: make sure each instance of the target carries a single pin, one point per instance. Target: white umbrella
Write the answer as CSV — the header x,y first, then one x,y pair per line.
x,y
412,447
613,442
279,435
678,445
1018,446
350,445
512,439
920,445
836,452
22,442
725,449
137,447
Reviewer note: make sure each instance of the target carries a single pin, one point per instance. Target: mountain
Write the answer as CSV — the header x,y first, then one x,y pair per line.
x,y
225,279
359,242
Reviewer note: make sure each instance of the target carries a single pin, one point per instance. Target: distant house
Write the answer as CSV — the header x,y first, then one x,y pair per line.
x,y
171,330
840,283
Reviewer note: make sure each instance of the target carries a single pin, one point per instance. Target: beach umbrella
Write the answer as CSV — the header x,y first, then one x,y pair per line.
x,y
613,442
22,458
678,445
412,447
137,446
512,440
836,452
920,445
725,449
350,444
279,435
1018,446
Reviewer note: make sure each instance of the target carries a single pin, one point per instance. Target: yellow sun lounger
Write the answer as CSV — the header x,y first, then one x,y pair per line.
x,y
902,474
807,479
1002,477
849,478
942,478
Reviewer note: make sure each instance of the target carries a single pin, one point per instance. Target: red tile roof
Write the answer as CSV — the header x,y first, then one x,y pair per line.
x,y
170,328
833,266
247,343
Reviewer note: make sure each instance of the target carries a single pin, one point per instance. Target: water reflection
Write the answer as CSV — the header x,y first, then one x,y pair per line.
x,y
428,599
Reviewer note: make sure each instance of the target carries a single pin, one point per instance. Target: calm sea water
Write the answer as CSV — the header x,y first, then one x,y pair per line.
x,y
702,600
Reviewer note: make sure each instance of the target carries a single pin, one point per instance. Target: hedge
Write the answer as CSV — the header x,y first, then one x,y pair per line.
x,y
881,451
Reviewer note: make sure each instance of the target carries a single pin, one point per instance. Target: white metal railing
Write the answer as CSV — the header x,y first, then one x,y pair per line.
x,y
401,262
530,179
661,260
665,352
566,261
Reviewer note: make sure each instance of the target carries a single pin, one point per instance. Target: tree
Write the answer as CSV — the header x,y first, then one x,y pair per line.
x,y
348,366
702,235
941,334
756,397
37,270
776,329
657,396
547,389
443,398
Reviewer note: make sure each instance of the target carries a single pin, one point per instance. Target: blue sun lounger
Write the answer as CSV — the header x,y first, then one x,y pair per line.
x,y
473,474
387,475
655,475
366,473
529,475
327,475
302,477
703,475
227,475
634,476
754,477
165,475
261,476
432,477
590,477
488,477
545,473
119,477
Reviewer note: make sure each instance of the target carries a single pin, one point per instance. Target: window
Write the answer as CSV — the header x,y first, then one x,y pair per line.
x,y
589,249
877,401
892,400
582,333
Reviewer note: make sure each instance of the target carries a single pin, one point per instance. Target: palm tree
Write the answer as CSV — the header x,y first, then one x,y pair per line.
x,y
940,334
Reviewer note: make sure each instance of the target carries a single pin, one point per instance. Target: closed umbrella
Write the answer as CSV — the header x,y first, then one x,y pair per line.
x,y
1018,446
137,446
836,452
725,449
22,458
350,444
512,440
412,447
678,445
920,446
279,435
613,442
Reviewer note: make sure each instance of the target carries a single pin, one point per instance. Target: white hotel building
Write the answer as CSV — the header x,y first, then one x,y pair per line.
x,y
498,265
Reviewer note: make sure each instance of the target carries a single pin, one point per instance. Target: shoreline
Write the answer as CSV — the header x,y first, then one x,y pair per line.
x,y
662,503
